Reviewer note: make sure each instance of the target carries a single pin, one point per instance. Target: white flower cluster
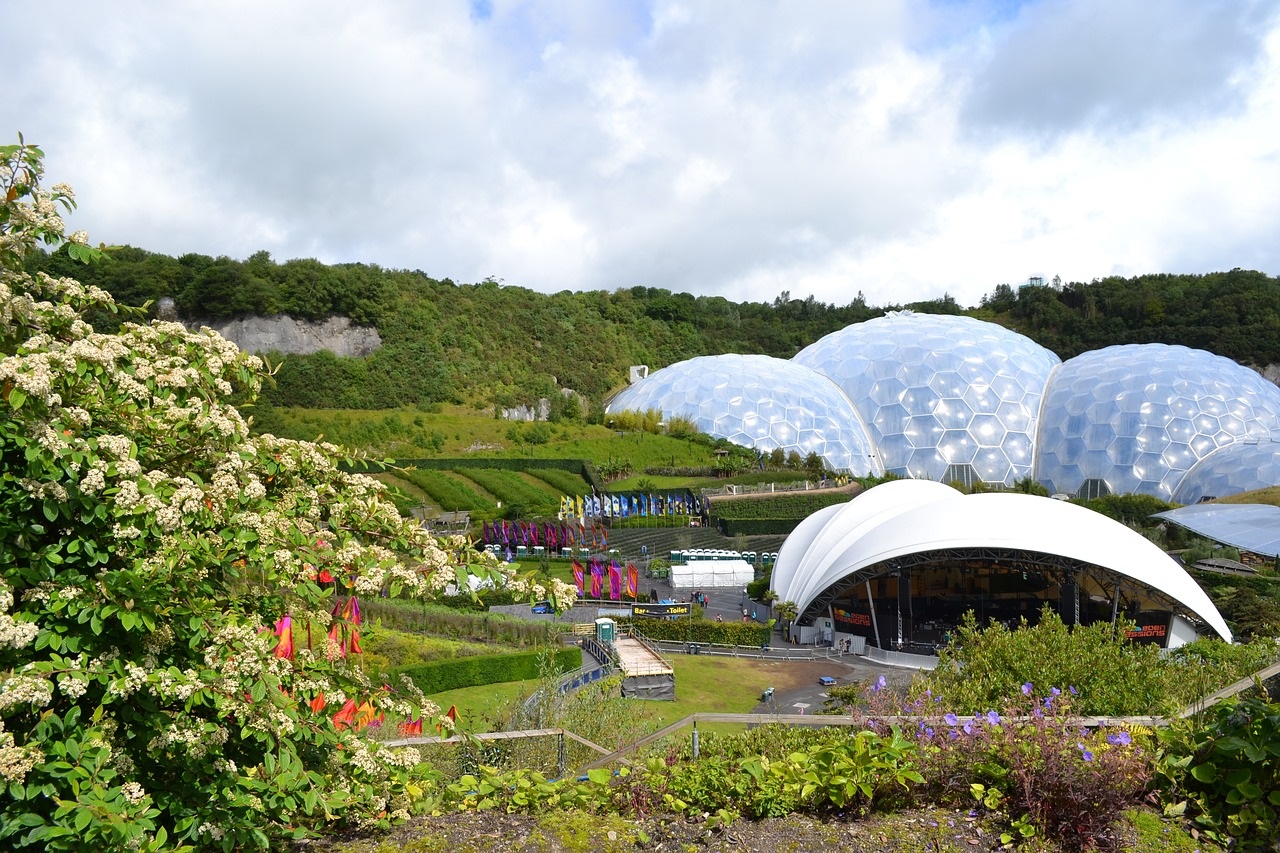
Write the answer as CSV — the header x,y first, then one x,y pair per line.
x,y
133,792
14,634
16,761
189,738
131,682
24,689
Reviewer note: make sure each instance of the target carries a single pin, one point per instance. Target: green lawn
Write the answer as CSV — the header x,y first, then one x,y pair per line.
x,y
484,708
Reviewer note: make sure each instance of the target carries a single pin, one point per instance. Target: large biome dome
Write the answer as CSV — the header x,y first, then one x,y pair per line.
x,y
760,402
945,397
1240,467
1139,417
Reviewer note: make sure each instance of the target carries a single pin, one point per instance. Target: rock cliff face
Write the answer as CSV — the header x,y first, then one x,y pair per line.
x,y
287,335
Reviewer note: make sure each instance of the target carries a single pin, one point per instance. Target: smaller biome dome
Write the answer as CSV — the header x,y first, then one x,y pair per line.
x,y
944,397
759,402
992,542
1244,466
1138,417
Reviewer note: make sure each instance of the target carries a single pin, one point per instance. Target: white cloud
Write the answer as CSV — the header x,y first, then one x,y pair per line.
x,y
901,149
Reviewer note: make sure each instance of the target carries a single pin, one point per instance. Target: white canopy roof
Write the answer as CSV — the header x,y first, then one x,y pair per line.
x,y
913,516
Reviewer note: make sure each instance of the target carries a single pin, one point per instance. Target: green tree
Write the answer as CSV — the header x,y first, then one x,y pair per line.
x,y
179,600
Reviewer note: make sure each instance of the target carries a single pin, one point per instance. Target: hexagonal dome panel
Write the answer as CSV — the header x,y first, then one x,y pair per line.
x,y
953,375
1236,468
1141,401
760,402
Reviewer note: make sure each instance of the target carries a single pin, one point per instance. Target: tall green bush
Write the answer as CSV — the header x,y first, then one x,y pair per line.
x,y
149,545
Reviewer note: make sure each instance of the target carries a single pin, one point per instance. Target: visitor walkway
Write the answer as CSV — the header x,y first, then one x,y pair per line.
x,y
635,658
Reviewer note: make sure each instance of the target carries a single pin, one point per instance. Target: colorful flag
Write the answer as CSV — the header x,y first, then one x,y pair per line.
x,y
579,576
615,580
597,579
633,581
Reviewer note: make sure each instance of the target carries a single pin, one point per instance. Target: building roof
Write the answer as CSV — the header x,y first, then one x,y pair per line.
x,y
906,517
1249,527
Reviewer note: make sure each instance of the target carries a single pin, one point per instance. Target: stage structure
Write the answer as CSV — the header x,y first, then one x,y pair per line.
x,y
900,564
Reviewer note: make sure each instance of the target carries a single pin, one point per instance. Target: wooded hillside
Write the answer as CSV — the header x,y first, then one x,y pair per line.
x,y
490,344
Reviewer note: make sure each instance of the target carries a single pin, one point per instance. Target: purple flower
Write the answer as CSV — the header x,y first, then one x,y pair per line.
x,y
968,727
1074,692
880,684
993,718
1121,738
1026,689
1053,691
951,720
928,730
1084,753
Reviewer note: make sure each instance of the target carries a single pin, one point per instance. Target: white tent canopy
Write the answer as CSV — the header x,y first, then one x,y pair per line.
x,y
709,574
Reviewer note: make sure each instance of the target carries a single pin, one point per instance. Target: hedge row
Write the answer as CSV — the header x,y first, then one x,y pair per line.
x,y
756,526
473,624
702,631
778,506
438,676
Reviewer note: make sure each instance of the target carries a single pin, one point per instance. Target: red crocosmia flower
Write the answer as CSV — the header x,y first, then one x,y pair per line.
x,y
343,718
317,704
284,630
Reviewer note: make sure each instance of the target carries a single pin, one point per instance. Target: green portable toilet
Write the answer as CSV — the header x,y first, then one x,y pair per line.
x,y
605,630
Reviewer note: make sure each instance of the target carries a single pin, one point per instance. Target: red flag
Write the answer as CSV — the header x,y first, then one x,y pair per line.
x,y
633,580
579,576
317,704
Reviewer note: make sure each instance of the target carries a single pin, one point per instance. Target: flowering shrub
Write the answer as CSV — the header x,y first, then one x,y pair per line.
x,y
179,600
1052,776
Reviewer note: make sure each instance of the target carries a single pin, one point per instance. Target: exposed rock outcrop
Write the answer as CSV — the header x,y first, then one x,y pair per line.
x,y
285,334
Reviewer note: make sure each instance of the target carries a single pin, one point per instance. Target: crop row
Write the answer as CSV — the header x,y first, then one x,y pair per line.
x,y
446,492
513,490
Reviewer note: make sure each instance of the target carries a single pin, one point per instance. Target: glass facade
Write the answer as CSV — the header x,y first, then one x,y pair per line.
x,y
760,402
1139,417
941,395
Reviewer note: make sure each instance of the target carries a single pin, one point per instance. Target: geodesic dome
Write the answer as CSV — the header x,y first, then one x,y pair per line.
x,y
1139,417
760,402
944,397
1239,467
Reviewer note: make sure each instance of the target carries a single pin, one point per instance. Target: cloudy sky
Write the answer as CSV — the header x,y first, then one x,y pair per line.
x,y
904,148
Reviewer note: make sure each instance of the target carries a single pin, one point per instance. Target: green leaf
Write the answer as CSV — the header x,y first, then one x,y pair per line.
x,y
17,397
1204,773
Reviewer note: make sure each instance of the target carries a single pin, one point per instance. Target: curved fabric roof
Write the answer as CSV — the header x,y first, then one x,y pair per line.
x,y
915,516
